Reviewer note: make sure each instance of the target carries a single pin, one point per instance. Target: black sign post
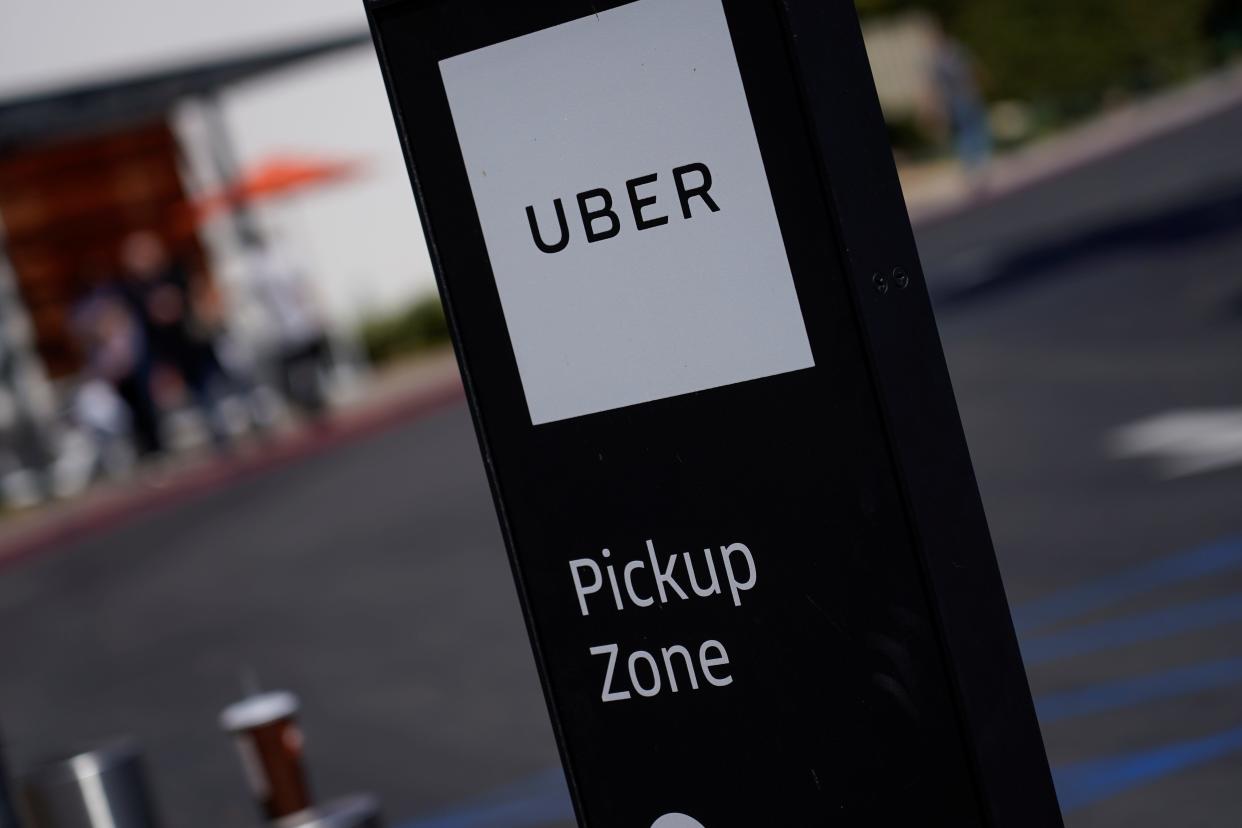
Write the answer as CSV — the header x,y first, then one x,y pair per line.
x,y
715,413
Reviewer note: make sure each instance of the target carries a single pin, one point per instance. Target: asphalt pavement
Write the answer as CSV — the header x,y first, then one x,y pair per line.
x,y
1093,325
1105,298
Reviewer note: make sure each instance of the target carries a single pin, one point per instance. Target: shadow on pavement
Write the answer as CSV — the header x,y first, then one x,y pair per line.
x,y
1214,214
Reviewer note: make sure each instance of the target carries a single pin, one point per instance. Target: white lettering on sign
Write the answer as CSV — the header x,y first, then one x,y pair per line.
x,y
625,209
596,207
676,577
648,677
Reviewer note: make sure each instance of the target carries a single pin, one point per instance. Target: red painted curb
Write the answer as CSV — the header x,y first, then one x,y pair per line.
x,y
309,442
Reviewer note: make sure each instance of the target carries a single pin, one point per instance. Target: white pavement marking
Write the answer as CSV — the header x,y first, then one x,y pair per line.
x,y
1184,442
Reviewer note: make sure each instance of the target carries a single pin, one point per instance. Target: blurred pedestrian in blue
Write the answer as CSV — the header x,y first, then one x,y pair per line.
x,y
118,355
957,79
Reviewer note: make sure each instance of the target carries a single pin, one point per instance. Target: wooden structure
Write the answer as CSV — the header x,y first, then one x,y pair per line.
x,y
81,168
66,209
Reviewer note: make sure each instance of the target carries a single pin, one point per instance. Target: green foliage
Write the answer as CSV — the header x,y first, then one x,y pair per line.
x,y
1224,27
911,138
944,9
1069,55
1073,53
420,326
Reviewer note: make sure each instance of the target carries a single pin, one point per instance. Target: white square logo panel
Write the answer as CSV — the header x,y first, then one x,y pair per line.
x,y
625,207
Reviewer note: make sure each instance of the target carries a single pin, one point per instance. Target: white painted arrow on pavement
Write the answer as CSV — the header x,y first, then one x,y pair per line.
x,y
1185,442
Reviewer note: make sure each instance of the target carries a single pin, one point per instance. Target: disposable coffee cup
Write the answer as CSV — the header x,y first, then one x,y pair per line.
x,y
269,743
358,811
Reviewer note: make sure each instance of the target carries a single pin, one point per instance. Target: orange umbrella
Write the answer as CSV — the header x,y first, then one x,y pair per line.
x,y
277,176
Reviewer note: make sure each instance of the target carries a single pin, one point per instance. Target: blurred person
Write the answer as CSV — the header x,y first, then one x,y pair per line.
x,y
160,292
104,416
118,366
300,337
238,374
953,70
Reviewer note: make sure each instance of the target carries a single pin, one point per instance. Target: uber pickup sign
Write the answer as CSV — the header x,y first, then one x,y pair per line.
x,y
713,406
627,215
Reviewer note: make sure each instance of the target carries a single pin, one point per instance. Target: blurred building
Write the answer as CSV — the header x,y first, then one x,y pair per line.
x,y
84,164
82,167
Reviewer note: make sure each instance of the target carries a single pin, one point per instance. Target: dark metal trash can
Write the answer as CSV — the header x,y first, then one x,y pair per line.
x,y
101,788
360,811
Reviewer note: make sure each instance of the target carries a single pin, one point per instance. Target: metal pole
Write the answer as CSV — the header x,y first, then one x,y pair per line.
x,y
103,788
228,169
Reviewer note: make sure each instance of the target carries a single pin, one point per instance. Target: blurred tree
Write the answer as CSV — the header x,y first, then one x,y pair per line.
x,y
407,331
944,9
1073,53
1224,26
1069,55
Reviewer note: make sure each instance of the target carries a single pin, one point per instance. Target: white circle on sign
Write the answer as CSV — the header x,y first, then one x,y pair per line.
x,y
676,821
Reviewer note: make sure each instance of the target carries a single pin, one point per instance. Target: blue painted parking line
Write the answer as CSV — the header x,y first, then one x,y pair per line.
x,y
537,801
1121,632
1085,783
1101,698
543,799
1222,556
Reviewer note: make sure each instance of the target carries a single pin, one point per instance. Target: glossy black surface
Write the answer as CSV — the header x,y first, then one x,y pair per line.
x,y
847,705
